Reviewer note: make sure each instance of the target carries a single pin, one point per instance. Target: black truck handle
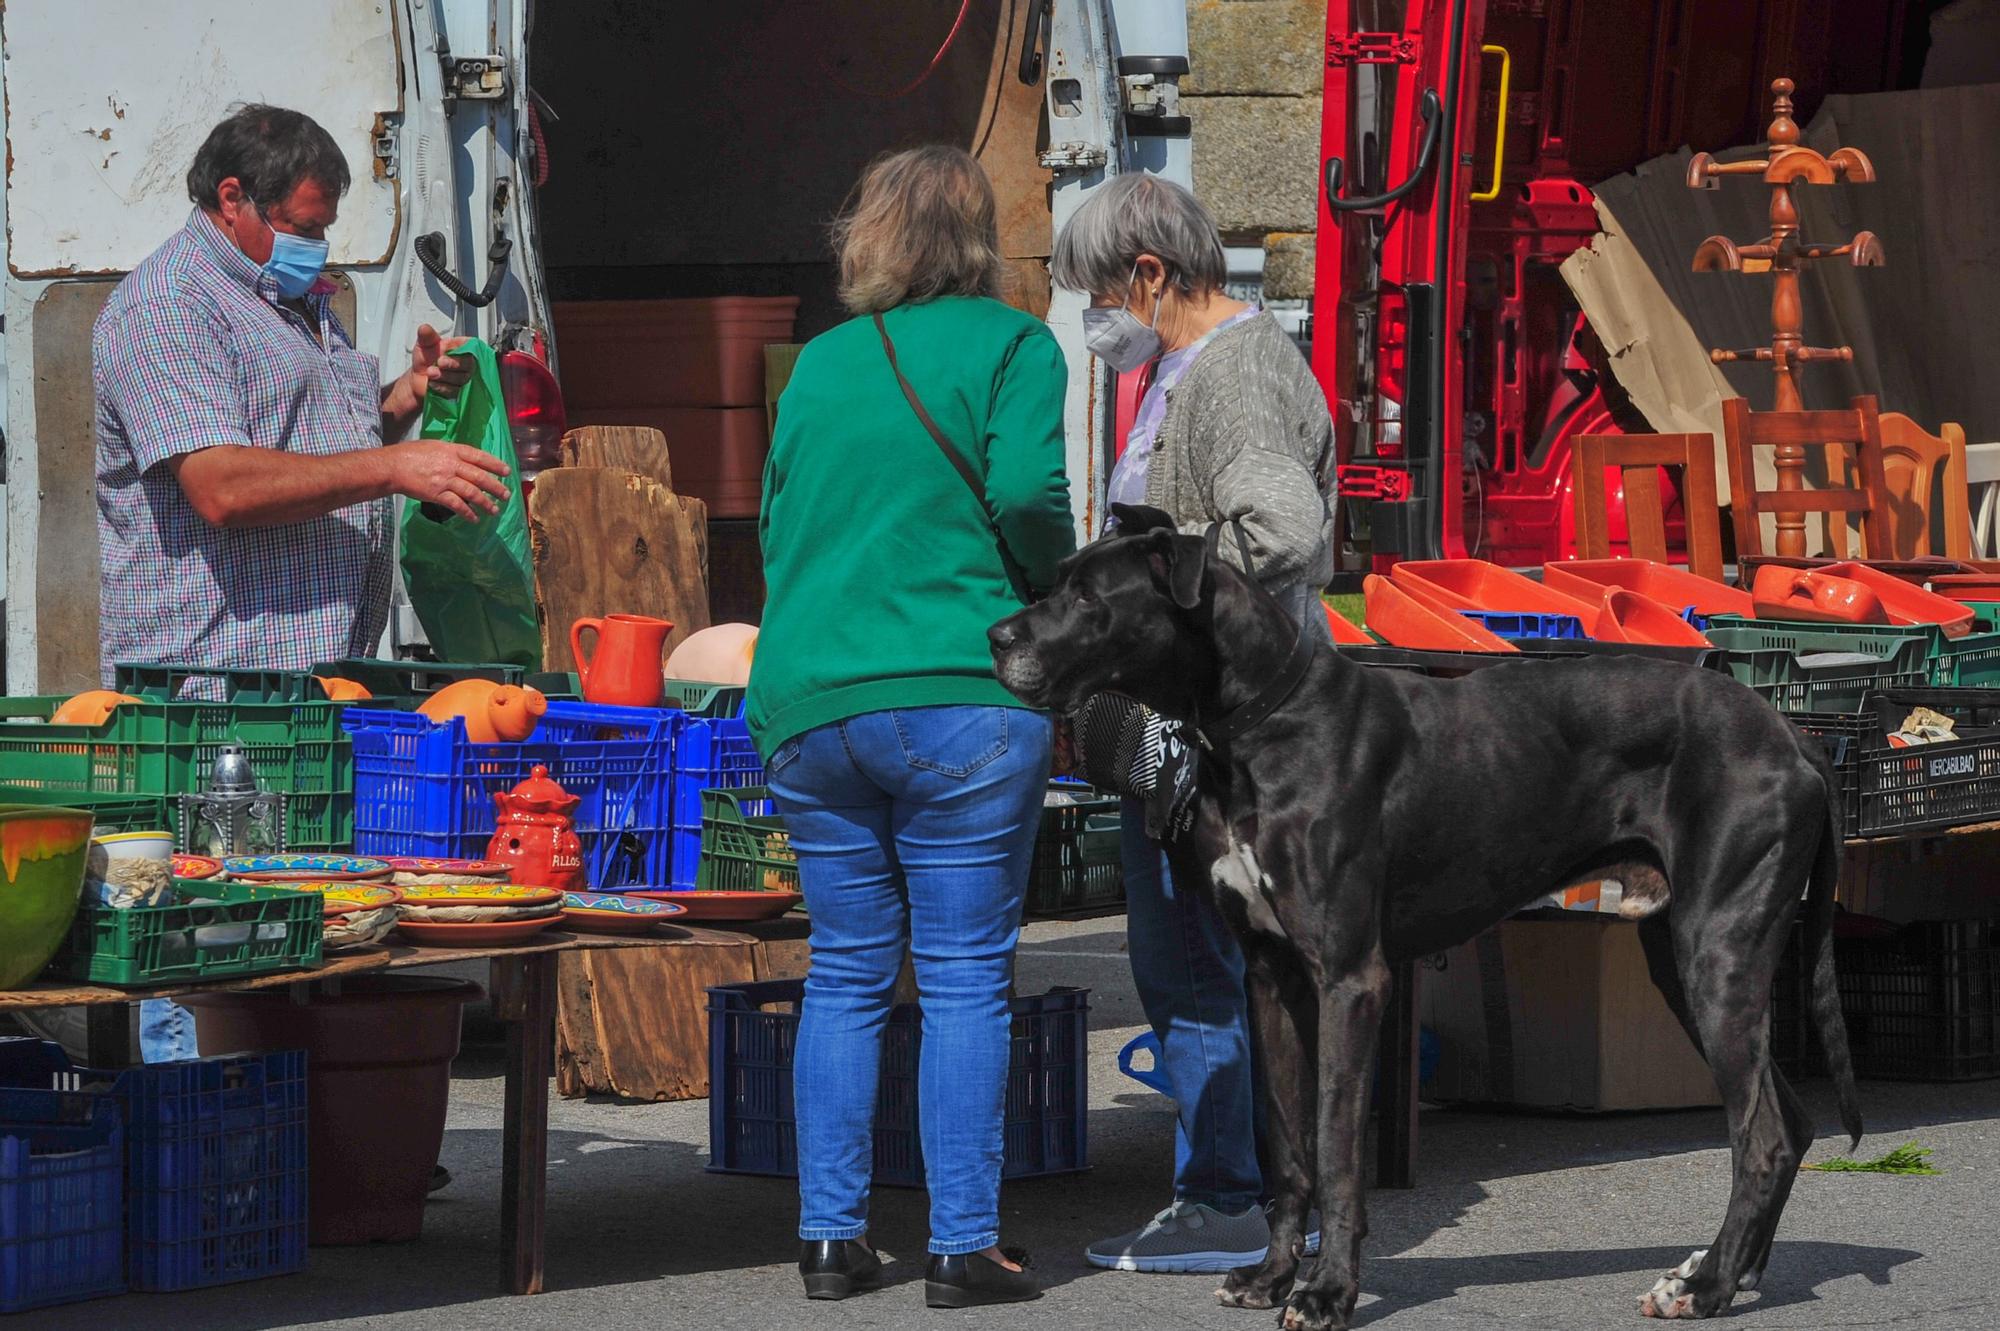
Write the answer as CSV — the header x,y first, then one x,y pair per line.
x,y
1433,118
431,254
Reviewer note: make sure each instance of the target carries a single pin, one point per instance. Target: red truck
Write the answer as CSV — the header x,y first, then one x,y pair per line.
x,y
1460,141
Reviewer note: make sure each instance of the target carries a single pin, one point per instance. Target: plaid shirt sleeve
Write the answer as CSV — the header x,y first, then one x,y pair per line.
x,y
168,374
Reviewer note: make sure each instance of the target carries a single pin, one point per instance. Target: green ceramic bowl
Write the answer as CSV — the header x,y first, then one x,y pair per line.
x,y
42,852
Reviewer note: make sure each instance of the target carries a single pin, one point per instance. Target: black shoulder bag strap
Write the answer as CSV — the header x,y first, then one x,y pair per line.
x,y
1016,576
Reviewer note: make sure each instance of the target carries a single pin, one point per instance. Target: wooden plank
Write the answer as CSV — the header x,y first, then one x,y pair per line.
x,y
611,542
524,993
636,1024
639,449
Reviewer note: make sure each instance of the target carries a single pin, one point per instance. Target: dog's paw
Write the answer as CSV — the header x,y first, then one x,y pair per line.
x,y
1253,1287
1313,1310
1669,1297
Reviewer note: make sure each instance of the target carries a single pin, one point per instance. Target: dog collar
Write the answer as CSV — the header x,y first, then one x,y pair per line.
x,y
1217,735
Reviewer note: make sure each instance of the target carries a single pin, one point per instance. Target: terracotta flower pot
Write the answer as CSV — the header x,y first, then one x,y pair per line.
x,y
378,1075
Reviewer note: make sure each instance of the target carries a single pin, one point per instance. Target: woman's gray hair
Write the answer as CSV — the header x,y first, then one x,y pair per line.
x,y
1132,215
923,225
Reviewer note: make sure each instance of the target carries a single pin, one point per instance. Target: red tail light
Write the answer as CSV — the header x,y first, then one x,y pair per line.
x,y
534,410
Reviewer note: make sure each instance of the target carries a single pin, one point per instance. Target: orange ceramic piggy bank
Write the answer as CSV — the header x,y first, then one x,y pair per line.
x,y
494,713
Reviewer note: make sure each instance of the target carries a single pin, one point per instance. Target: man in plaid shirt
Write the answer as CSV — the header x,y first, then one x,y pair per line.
x,y
243,490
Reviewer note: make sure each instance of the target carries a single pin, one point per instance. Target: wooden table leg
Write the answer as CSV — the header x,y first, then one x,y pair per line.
x,y
1396,1139
524,996
108,1035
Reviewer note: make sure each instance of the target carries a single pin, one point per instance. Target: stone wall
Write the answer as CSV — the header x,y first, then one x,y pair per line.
x,y
1254,98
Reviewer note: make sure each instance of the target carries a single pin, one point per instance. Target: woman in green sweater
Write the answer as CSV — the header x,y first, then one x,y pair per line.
x,y
910,781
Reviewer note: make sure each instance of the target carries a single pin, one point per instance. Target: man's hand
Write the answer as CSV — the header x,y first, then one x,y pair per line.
x,y
452,475
432,369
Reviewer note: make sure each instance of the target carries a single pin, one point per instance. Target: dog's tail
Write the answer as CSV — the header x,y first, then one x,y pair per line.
x,y
1825,997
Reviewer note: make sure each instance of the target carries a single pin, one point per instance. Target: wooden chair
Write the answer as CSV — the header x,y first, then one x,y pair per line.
x,y
1857,430
1925,474
1640,457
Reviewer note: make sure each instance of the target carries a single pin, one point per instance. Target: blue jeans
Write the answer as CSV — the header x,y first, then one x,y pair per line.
x,y
166,1032
913,827
1189,973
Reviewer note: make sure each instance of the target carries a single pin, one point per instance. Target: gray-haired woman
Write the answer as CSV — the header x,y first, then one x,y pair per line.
x,y
1232,428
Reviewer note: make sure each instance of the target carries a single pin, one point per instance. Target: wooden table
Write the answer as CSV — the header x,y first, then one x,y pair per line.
x,y
523,993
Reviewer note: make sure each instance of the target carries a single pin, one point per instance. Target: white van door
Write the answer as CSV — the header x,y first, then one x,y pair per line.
x,y
105,103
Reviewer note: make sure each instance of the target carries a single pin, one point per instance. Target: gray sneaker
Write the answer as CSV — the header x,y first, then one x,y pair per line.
x,y
1187,1236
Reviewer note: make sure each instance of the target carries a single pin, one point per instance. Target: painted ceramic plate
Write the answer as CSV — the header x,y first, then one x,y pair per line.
x,y
485,933
608,913
469,868
196,867
340,898
479,894
319,868
738,906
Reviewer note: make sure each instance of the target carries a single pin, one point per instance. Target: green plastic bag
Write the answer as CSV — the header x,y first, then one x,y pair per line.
x,y
473,584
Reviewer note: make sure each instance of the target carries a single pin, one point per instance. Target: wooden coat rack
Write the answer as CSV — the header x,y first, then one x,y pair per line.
x,y
1785,165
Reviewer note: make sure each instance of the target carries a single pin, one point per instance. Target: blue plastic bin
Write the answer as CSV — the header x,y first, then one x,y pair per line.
x,y
751,1121
215,1158
422,788
1508,624
709,753
62,1199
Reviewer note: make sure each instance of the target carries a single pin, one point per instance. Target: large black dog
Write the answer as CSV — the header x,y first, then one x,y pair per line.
x,y
1375,816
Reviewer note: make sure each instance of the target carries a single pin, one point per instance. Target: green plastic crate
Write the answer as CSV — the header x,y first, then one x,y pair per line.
x,y
110,813
168,749
240,931
390,682
744,845
1787,664
695,697
1972,661
1078,865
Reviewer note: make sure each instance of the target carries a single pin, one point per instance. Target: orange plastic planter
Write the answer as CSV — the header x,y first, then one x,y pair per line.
x,y
1629,617
1407,616
1475,584
1814,596
1674,588
1344,631
1905,604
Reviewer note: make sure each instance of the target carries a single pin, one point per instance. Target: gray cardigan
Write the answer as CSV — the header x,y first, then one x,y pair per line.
x,y
1247,438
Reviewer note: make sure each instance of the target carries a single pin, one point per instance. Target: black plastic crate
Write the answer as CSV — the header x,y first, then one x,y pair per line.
x,y
753,1030
1078,868
1840,734
1923,1003
1929,786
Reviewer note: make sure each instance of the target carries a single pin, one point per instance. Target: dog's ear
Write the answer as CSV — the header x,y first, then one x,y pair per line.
x,y
1180,564
1137,519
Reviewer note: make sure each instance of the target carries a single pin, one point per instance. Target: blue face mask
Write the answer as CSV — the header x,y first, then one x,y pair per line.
x,y
295,262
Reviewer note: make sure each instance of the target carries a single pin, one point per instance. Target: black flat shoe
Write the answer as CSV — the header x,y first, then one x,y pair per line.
x,y
970,1280
836,1268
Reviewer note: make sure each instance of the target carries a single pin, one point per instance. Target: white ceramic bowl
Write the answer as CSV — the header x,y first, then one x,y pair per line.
x,y
136,845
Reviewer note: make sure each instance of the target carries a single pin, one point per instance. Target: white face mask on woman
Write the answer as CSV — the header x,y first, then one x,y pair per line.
x,y
1116,337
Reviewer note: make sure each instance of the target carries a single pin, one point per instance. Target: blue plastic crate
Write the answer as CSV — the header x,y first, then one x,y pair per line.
x,y
752,1123
62,1199
1508,624
715,753
422,788
215,1158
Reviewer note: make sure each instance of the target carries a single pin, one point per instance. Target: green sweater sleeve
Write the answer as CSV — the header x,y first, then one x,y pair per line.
x,y
1027,478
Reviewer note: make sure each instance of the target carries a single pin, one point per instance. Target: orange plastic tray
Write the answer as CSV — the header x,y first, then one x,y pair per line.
x,y
1674,588
1983,587
1629,617
1407,616
1344,630
1475,584
1814,596
1905,604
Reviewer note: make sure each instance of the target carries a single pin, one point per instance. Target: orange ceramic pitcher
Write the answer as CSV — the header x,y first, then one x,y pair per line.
x,y
626,669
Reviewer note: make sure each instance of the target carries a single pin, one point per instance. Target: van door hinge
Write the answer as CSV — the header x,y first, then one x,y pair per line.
x,y
383,141
1371,48
474,78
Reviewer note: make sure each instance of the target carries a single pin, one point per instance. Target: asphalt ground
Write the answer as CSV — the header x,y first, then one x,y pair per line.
x,y
1545,1220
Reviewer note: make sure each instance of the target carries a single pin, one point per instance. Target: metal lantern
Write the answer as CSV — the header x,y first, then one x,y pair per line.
x,y
232,817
